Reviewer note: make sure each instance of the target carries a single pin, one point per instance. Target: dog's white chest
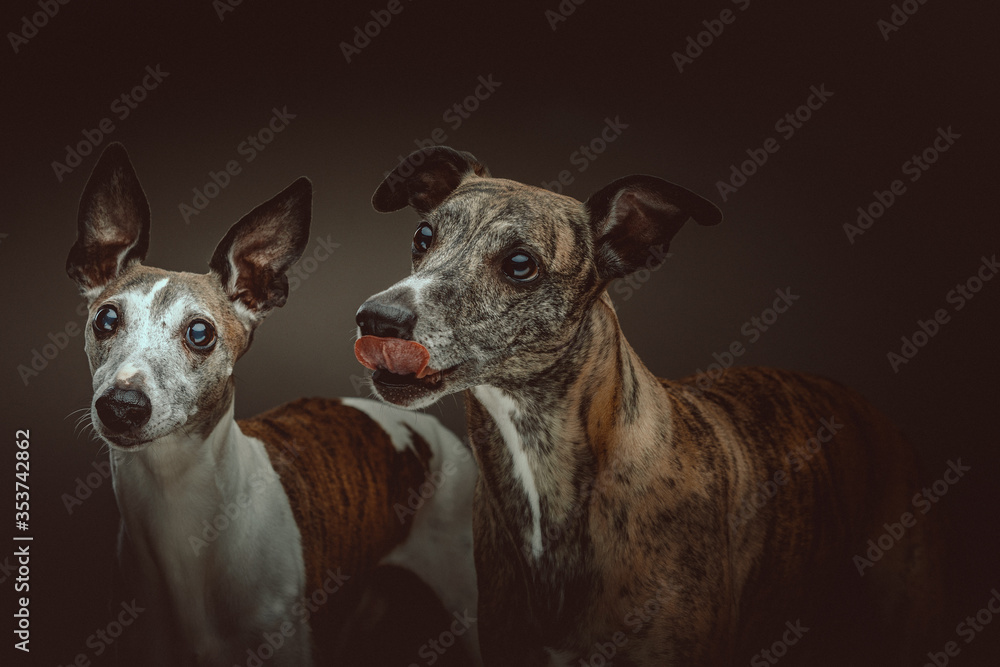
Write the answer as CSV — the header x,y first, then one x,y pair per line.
x,y
503,409
215,545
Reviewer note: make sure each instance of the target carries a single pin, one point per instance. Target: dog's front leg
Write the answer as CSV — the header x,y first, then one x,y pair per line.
x,y
507,635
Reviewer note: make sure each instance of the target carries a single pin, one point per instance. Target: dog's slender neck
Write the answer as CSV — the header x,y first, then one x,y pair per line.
x,y
193,506
549,446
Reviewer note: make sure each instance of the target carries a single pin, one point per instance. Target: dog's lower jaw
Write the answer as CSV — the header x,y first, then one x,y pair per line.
x,y
421,394
407,397
208,530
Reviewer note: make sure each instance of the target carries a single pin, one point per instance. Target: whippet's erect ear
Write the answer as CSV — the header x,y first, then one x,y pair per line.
x,y
425,179
253,258
635,215
112,224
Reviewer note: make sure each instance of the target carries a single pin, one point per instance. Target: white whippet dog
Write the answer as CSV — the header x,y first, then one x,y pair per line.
x,y
236,533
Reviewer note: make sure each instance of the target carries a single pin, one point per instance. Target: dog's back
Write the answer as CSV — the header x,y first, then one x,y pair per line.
x,y
368,483
811,472
342,475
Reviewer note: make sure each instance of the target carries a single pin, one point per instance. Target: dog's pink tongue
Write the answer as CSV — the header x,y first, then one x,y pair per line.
x,y
393,354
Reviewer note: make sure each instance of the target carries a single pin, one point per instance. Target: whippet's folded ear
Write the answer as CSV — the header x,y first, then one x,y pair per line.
x,y
634,219
253,258
112,224
425,179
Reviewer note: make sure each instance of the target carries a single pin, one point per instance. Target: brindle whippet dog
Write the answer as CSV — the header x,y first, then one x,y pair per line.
x,y
238,532
610,513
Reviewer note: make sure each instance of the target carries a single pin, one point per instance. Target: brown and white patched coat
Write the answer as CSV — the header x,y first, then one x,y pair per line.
x,y
229,529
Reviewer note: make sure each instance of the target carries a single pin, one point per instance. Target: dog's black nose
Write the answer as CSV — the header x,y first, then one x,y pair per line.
x,y
387,320
123,409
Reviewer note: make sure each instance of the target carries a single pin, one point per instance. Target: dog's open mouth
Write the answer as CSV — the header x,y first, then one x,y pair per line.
x,y
398,363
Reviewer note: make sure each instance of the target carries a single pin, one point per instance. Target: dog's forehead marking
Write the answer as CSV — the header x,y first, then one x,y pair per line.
x,y
139,298
157,286
143,308
167,296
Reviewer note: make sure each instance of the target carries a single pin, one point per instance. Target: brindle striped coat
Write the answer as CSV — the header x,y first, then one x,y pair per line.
x,y
617,516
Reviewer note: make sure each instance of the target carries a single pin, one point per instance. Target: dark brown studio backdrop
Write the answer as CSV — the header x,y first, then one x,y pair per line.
x,y
552,91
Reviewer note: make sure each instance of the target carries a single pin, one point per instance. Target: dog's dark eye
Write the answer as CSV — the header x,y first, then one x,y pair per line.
x,y
422,239
520,267
106,321
200,335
